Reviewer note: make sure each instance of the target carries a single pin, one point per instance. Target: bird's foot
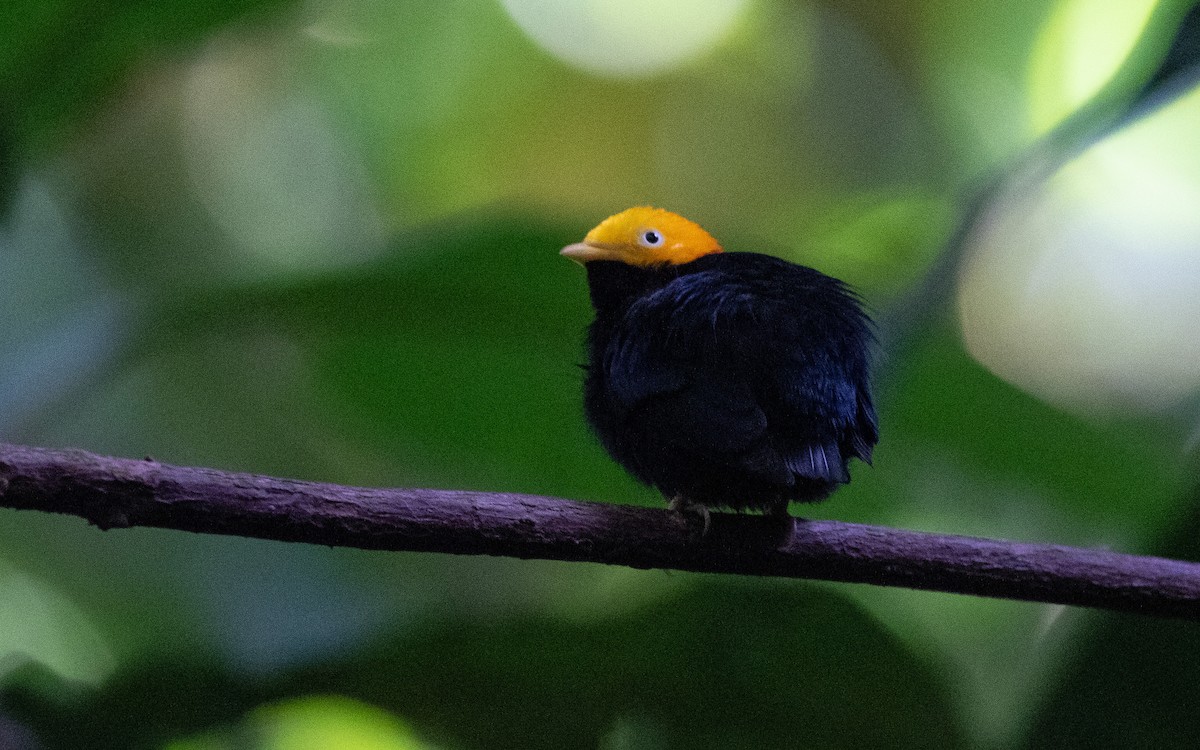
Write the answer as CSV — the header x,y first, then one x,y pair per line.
x,y
682,506
779,521
778,511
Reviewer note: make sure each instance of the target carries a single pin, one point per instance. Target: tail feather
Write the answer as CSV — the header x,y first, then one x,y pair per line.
x,y
814,461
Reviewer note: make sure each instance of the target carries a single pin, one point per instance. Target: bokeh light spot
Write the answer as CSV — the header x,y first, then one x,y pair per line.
x,y
625,37
269,165
1085,290
326,721
315,722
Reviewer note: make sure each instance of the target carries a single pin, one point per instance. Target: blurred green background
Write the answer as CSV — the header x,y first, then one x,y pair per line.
x,y
318,239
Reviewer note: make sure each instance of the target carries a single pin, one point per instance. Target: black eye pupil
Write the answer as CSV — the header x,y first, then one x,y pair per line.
x,y
652,238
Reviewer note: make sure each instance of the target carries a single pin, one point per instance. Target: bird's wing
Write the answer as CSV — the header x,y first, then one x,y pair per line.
x,y
821,414
667,370
817,393
736,368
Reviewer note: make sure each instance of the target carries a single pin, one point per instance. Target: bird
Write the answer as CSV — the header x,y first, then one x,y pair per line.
x,y
725,380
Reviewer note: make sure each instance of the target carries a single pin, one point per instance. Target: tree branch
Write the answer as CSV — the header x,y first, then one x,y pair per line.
x,y
120,493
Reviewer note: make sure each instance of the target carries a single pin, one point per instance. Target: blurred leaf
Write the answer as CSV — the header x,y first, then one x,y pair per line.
x,y
311,723
139,709
1081,46
222,166
963,452
883,243
729,664
39,624
456,109
968,61
947,420
1160,66
58,58
320,722
1130,681
1080,287
1181,63
454,363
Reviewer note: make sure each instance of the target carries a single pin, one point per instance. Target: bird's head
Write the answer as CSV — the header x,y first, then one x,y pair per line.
x,y
644,236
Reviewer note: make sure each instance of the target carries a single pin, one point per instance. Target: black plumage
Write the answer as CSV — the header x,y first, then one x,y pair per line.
x,y
734,380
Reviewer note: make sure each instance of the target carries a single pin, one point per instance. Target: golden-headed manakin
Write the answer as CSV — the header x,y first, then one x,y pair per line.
x,y
722,379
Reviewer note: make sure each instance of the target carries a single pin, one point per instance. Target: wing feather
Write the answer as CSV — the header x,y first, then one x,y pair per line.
x,y
732,365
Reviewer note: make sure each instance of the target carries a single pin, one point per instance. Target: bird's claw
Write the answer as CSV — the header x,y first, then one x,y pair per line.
x,y
682,506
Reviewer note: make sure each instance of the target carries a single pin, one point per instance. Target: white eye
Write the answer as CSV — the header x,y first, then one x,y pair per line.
x,y
651,238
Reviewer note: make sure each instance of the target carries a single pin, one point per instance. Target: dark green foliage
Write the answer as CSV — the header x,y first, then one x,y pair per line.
x,y
447,354
1130,683
59,59
724,664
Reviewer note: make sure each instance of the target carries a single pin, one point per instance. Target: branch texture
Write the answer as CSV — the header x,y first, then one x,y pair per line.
x,y
120,493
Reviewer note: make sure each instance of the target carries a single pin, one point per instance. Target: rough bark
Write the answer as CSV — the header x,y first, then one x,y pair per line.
x,y
120,493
